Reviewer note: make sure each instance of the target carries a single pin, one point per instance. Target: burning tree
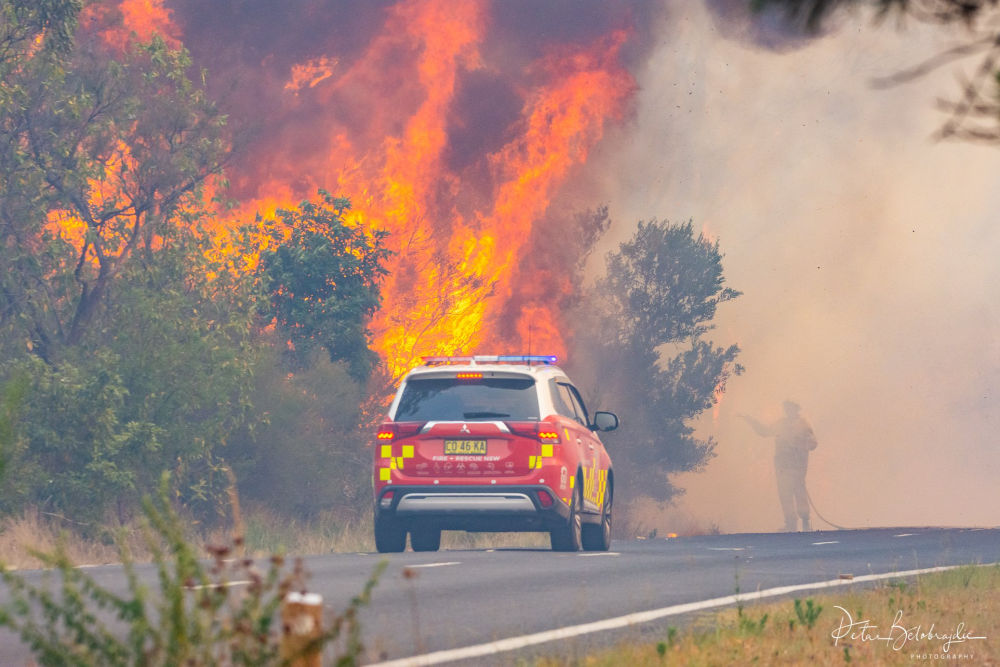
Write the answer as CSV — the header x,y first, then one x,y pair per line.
x,y
134,361
112,151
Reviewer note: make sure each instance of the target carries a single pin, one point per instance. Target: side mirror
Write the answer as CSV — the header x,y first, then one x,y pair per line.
x,y
605,421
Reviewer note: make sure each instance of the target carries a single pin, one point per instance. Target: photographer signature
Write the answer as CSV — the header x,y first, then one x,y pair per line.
x,y
898,634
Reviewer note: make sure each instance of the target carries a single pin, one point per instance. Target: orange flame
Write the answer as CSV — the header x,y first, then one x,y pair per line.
x,y
141,18
459,233
311,74
69,226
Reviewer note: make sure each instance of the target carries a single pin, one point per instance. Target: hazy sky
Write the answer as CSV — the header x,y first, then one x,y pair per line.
x,y
866,252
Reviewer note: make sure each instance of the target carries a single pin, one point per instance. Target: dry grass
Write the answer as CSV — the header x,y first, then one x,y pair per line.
x,y
268,532
265,533
36,531
646,517
774,633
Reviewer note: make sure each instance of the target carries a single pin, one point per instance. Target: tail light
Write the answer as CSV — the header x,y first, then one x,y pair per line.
x,y
392,431
541,431
548,436
544,499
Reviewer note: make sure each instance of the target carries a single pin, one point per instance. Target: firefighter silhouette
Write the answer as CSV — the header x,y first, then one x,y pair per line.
x,y
793,440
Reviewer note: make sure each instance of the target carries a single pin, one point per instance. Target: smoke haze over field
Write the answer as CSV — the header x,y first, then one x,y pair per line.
x,y
866,252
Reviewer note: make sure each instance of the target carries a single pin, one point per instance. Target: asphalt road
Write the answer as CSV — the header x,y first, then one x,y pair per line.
x,y
429,603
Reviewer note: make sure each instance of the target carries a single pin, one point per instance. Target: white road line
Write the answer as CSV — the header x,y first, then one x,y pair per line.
x,y
601,553
514,643
727,548
228,584
451,562
904,535
816,544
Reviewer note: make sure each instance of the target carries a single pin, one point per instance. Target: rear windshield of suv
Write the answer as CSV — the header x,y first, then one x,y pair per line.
x,y
450,399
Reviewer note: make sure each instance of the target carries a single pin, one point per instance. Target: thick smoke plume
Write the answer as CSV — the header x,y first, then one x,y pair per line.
x,y
866,252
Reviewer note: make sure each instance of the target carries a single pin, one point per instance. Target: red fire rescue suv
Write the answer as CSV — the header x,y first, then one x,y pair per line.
x,y
492,443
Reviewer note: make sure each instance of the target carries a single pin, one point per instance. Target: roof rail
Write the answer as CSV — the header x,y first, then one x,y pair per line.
x,y
529,359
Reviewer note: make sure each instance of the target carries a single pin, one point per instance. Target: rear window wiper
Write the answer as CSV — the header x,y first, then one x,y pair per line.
x,y
484,415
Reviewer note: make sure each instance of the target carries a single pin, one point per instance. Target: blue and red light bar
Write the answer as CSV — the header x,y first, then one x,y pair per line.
x,y
528,358
492,359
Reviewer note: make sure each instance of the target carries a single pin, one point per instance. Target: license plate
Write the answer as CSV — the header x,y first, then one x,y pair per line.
x,y
465,447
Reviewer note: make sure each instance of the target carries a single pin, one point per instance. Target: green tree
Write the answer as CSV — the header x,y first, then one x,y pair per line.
x,y
307,451
35,46
78,454
180,328
161,383
649,357
321,279
664,285
11,396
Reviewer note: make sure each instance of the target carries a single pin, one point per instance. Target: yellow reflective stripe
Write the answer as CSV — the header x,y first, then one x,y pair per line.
x,y
387,451
399,462
407,451
572,481
384,474
535,462
392,463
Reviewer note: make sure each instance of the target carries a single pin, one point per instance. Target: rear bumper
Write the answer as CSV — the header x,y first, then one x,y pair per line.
x,y
472,508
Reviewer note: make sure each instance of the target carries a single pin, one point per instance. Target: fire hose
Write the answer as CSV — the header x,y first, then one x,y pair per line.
x,y
821,517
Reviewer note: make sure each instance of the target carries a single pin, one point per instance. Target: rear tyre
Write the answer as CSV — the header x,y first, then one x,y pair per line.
x,y
568,536
597,536
426,539
390,537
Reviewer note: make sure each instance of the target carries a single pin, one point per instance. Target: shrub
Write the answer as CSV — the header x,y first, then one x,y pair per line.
x,y
198,616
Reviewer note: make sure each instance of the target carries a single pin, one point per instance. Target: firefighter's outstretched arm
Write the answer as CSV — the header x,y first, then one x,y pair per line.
x,y
759,429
